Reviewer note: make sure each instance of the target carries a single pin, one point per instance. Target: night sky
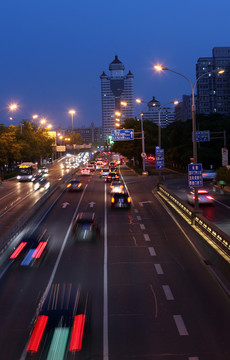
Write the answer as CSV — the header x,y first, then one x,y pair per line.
x,y
53,51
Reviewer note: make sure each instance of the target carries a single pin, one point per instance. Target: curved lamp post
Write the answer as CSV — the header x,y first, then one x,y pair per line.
x,y
160,68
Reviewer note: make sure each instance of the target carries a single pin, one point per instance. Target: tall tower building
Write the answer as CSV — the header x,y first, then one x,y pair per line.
x,y
213,90
167,115
114,89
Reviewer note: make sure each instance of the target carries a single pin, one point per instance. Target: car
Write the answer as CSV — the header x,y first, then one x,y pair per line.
x,y
204,197
85,171
112,176
85,227
116,187
208,174
36,181
104,172
43,170
121,200
44,184
74,185
31,247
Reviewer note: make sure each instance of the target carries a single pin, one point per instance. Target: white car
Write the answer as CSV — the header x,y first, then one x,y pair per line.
x,y
204,197
85,171
104,172
117,187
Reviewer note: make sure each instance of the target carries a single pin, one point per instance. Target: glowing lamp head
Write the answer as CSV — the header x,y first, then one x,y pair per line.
x,y
13,107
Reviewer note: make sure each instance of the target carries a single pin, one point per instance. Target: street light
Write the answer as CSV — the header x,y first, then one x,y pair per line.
x,y
72,113
160,68
139,101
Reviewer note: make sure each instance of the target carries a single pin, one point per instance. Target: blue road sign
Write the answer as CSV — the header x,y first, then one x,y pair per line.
x,y
202,135
195,175
160,160
122,134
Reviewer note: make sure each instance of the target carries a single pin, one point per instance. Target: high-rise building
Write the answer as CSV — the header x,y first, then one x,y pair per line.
x,y
183,111
114,89
213,90
167,115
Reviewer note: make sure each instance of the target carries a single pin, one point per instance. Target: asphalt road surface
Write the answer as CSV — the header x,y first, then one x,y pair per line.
x,y
145,291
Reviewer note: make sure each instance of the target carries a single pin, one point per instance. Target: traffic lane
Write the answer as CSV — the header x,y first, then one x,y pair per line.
x,y
81,266
190,279
30,283
136,327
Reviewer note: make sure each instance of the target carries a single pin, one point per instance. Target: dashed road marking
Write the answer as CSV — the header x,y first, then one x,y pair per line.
x,y
142,226
136,211
193,358
168,292
147,238
138,217
152,251
159,269
180,325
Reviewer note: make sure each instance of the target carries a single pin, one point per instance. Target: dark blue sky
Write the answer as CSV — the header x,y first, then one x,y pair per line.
x,y
53,51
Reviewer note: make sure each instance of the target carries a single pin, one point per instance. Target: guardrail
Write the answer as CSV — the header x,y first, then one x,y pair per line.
x,y
216,236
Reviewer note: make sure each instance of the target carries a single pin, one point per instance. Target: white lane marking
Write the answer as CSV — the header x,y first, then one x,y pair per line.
x,y
12,192
152,251
142,226
17,203
105,299
159,269
46,292
136,211
138,217
219,202
147,238
168,292
180,325
193,358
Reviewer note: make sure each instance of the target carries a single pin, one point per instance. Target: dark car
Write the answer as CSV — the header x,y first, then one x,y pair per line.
x,y
31,247
121,200
112,176
74,185
85,227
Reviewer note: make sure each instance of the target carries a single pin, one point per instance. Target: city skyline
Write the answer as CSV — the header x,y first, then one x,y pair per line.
x,y
53,53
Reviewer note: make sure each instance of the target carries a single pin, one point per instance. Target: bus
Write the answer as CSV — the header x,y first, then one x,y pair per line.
x,y
26,171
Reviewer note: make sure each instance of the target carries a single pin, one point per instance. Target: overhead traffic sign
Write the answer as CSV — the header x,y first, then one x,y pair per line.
x,y
195,175
122,134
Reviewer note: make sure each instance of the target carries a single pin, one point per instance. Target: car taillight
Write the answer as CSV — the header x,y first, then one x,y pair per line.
x,y
128,199
210,197
37,333
39,250
113,200
18,250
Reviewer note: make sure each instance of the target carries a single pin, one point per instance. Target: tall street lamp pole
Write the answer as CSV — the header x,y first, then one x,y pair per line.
x,y
143,142
159,68
72,113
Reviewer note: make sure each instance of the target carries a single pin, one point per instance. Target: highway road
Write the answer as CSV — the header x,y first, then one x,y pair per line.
x,y
145,292
17,197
